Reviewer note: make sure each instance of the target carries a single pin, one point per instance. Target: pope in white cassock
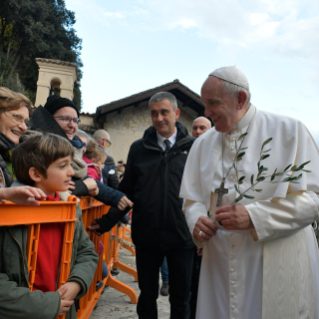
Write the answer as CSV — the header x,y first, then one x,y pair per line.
x,y
262,262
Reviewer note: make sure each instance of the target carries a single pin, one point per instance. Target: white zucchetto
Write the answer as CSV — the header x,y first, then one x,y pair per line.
x,y
232,75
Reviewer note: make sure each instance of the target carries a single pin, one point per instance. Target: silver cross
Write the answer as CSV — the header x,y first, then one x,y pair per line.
x,y
221,191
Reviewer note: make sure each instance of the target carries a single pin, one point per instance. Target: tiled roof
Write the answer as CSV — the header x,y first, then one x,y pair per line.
x,y
177,88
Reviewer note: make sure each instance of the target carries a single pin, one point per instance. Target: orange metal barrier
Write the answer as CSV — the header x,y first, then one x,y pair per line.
x,y
92,209
51,212
127,236
115,263
34,216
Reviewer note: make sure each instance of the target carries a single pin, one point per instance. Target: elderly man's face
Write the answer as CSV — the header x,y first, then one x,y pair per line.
x,y
200,126
164,117
220,107
104,141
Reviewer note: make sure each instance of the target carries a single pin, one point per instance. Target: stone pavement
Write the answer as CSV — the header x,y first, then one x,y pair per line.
x,y
116,305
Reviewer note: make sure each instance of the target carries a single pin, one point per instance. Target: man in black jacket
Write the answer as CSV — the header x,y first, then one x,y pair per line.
x,y
152,180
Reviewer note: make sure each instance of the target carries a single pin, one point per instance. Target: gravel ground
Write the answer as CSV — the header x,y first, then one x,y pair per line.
x,y
114,304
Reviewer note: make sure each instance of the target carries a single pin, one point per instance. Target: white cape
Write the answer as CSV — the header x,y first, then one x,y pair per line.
x,y
271,272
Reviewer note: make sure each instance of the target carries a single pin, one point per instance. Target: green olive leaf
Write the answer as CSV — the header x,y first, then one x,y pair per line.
x,y
242,136
238,198
266,142
287,168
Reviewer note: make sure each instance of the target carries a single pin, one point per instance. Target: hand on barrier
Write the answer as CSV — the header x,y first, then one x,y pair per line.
x,y
71,187
124,202
21,195
95,227
65,304
92,186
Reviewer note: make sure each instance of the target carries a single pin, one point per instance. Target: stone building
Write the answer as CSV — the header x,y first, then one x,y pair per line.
x,y
128,118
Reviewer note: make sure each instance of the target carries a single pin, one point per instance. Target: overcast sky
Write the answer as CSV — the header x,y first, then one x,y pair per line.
x,y
133,45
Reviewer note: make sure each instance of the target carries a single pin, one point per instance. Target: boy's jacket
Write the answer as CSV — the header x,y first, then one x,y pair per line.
x,y
16,300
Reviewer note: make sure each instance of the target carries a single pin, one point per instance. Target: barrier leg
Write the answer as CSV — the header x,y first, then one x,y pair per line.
x,y
116,284
129,270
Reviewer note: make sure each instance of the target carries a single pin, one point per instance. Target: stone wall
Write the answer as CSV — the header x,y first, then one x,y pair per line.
x,y
130,124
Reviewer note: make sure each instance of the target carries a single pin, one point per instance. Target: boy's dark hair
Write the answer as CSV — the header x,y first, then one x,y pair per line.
x,y
38,151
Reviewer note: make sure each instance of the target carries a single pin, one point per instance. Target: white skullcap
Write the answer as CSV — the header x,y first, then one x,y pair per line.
x,y
232,75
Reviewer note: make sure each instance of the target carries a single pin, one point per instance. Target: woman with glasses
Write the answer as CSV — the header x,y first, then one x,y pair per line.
x,y
14,118
61,116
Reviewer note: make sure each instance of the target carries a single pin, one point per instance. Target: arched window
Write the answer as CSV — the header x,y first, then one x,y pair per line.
x,y
55,87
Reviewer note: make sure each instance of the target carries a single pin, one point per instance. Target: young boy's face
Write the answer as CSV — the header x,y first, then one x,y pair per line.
x,y
59,174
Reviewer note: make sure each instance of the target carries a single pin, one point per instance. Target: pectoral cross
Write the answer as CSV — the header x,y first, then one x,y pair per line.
x,y
220,192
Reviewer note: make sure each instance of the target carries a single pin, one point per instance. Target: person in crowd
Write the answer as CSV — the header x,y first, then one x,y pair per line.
x,y
44,161
110,176
260,256
94,157
152,180
199,127
61,116
164,274
84,137
14,117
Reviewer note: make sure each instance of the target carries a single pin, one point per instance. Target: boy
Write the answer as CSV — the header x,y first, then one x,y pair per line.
x,y
44,161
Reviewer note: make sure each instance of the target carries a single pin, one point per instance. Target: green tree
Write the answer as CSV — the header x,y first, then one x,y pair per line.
x,y
36,28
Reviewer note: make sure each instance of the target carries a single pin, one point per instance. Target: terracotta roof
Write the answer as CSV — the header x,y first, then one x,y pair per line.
x,y
182,93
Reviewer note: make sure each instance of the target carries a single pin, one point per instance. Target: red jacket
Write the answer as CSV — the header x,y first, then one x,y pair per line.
x,y
94,170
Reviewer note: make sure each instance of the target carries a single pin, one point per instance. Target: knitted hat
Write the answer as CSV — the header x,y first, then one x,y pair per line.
x,y
55,102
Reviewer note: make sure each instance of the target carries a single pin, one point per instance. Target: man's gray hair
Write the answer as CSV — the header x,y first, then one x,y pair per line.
x,y
160,96
99,134
233,89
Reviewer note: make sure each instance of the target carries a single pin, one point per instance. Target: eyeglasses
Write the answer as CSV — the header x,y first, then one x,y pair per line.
x,y
68,119
19,119
106,140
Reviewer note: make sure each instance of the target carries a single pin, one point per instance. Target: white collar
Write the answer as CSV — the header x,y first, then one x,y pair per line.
x,y
246,119
161,139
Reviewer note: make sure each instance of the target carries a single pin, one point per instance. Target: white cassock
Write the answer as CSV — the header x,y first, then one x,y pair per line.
x,y
271,272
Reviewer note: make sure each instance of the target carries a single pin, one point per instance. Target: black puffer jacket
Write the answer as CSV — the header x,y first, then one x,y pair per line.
x,y
152,181
5,146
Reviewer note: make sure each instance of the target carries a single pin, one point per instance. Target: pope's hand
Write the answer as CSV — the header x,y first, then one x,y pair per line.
x,y
204,228
234,217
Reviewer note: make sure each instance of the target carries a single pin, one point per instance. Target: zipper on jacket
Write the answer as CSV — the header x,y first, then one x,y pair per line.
x,y
21,254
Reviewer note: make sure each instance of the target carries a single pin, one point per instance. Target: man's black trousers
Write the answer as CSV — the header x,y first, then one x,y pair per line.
x,y
180,263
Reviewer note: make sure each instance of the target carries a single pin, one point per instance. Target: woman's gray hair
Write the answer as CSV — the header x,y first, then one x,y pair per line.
x,y
160,96
233,89
84,134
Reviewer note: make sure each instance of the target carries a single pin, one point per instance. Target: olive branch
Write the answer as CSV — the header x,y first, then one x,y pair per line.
x,y
262,175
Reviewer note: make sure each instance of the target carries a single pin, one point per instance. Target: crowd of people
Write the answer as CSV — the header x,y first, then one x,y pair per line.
x,y
227,248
